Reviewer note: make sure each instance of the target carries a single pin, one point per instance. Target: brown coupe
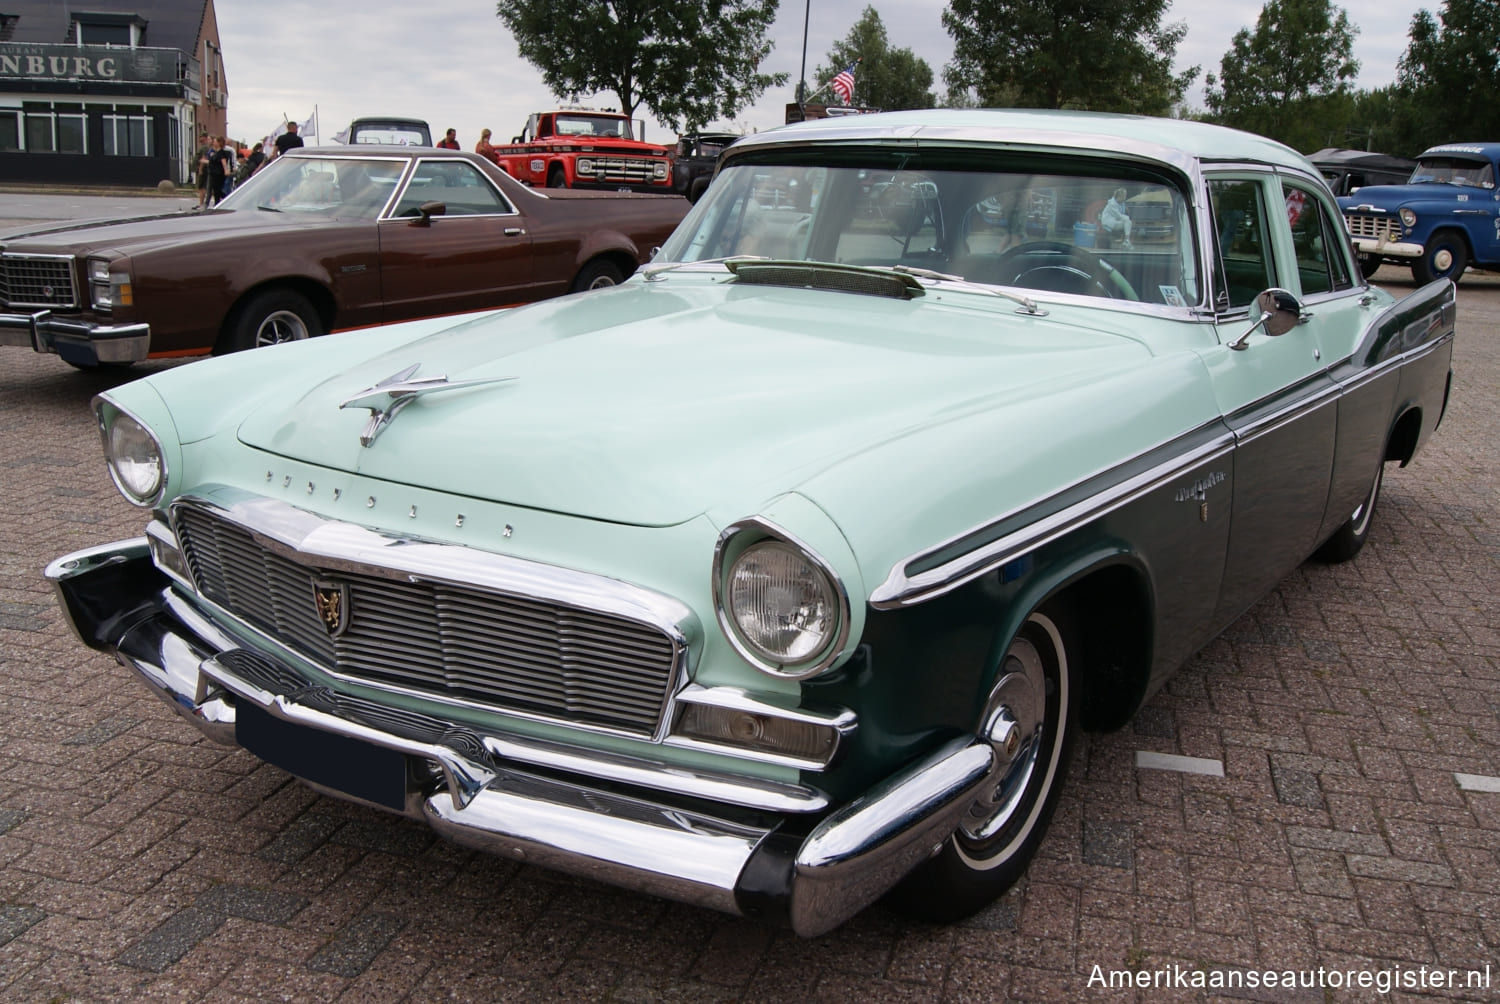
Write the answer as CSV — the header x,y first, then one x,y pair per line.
x,y
319,240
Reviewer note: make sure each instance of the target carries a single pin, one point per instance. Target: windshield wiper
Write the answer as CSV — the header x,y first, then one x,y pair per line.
x,y
652,271
268,209
979,287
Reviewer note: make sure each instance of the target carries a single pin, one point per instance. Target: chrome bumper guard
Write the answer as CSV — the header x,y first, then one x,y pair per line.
x,y
1393,249
625,821
79,342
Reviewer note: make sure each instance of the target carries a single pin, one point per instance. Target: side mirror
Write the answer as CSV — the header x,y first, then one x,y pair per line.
x,y
428,211
1279,313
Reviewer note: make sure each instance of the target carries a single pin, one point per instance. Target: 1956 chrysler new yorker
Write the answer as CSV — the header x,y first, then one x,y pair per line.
x,y
781,577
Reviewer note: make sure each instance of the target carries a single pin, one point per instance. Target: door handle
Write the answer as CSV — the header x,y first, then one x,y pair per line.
x,y
514,231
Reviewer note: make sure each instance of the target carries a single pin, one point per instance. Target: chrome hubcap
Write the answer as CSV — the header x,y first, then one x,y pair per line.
x,y
1443,260
281,326
1015,729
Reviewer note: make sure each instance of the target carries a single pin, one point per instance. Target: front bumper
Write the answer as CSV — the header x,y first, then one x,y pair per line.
x,y
732,843
83,343
1387,249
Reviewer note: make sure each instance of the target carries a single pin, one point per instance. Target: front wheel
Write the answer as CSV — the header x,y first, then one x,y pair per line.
x,y
557,177
1444,257
1030,718
270,317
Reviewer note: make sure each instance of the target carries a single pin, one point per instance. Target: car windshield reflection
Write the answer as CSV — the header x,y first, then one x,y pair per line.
x,y
1114,236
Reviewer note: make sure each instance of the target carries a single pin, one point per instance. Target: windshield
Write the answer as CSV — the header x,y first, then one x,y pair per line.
x,y
1116,235
1452,171
593,125
350,188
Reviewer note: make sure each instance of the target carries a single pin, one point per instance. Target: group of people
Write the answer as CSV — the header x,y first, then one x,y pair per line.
x,y
221,166
484,147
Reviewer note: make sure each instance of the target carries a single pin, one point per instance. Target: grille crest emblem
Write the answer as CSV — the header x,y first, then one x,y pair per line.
x,y
332,602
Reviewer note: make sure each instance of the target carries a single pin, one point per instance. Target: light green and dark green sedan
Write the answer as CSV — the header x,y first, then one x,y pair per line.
x,y
783,576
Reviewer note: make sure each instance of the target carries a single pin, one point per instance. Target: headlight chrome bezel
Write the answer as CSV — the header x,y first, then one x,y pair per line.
x,y
743,539
1408,217
115,423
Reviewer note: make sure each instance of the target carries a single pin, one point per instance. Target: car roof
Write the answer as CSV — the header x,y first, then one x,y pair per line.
x,y
1335,157
1178,142
382,151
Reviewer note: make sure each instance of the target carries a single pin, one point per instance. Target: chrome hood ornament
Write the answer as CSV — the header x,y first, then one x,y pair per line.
x,y
395,392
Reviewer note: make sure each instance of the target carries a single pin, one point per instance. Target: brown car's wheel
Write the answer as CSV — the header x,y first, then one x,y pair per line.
x,y
597,275
1348,539
1030,718
270,317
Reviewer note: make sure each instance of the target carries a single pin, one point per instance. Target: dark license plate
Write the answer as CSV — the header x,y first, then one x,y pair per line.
x,y
358,769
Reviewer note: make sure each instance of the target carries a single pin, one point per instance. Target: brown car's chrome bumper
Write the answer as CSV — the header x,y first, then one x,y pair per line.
x,y
80,342
630,821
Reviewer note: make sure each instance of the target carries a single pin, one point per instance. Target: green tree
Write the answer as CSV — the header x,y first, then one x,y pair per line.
x,y
1450,74
689,61
886,78
1291,77
1103,55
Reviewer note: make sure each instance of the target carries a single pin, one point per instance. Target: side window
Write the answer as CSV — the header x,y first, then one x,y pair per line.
x,y
1246,267
457,185
1321,263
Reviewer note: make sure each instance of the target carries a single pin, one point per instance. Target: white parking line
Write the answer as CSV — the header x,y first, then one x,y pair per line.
x,y
1477,782
1183,764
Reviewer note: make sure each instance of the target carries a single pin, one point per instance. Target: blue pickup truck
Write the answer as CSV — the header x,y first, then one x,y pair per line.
x,y
1446,218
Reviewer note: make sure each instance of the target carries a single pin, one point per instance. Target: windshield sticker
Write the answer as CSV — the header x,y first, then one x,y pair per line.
x,y
1171,296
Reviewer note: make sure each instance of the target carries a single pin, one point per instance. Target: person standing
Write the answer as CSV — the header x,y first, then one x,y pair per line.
x,y
218,169
205,151
486,149
288,140
449,140
255,158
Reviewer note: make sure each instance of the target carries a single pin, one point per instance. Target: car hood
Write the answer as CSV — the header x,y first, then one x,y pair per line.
x,y
1391,196
140,233
649,405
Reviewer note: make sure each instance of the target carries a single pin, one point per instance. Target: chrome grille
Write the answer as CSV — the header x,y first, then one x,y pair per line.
x,y
1378,228
39,281
632,169
513,653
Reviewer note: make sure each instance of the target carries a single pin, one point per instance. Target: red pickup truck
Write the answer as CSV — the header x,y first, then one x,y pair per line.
x,y
578,148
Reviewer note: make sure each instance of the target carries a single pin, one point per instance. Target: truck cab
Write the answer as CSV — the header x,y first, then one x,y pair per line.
x,y
585,148
1444,219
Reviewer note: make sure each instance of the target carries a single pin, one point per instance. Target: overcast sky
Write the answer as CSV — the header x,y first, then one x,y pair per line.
x,y
452,62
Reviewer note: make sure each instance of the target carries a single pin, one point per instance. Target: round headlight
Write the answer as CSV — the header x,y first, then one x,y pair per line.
x,y
585,166
134,458
781,604
1409,217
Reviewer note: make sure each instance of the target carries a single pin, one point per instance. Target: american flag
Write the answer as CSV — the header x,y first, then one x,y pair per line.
x,y
843,84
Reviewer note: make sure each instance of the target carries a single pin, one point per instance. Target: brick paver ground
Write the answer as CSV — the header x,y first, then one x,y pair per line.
x,y
138,860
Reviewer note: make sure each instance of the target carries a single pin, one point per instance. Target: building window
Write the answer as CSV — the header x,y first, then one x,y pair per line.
x,y
10,130
47,132
50,131
127,135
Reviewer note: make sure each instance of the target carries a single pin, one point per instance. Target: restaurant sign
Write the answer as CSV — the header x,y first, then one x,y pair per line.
x,y
87,62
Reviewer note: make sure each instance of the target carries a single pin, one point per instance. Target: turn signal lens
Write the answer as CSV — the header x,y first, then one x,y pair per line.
x,y
757,732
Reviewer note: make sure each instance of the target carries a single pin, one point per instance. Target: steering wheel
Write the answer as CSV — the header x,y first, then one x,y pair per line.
x,y
1075,270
